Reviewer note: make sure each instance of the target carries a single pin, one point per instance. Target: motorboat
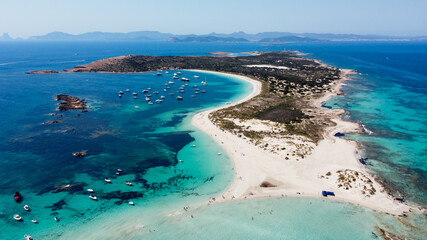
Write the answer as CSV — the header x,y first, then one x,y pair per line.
x,y
150,103
131,203
185,79
147,99
179,98
127,90
162,97
17,197
135,97
93,197
120,95
137,107
145,91
149,89
159,101
181,91
175,77
26,208
129,183
17,217
107,180
90,190
159,74
195,76
156,92
119,170
135,94
170,82
56,219
34,221
178,73
117,173
28,237
204,83
203,91
164,90
121,92
148,95
171,93
193,145
166,72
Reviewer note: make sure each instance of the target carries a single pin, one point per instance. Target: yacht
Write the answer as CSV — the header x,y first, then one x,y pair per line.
x,y
93,197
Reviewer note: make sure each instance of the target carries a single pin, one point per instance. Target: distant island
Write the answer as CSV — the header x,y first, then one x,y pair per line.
x,y
268,37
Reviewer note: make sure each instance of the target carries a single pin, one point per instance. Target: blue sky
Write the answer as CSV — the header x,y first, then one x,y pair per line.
x,y
23,18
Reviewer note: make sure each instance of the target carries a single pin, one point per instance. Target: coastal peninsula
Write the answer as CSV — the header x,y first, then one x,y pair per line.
x,y
280,138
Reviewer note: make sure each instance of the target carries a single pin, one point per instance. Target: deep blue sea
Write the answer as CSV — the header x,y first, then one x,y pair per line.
x,y
148,141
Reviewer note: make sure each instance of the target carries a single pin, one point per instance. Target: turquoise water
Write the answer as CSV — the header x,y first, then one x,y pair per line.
x,y
148,142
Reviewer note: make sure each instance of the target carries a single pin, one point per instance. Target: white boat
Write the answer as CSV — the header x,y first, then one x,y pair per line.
x,y
90,190
156,92
127,90
17,217
180,160
147,99
148,95
28,237
117,173
174,74
107,180
167,87
166,72
26,208
179,98
120,95
159,101
204,83
219,153
171,93
150,103
134,93
129,183
164,90
162,97
193,145
119,170
93,197
195,76
34,221
185,79
145,91
178,73
131,203
135,97
159,74
56,219
136,107
203,91
121,92
149,89
175,77
170,82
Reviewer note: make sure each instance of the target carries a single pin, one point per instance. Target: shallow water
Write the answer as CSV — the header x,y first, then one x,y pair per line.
x,y
148,142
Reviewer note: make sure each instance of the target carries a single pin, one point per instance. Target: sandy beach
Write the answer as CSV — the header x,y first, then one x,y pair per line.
x,y
330,165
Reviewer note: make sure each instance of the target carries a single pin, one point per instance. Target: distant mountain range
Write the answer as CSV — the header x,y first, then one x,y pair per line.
x,y
267,37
